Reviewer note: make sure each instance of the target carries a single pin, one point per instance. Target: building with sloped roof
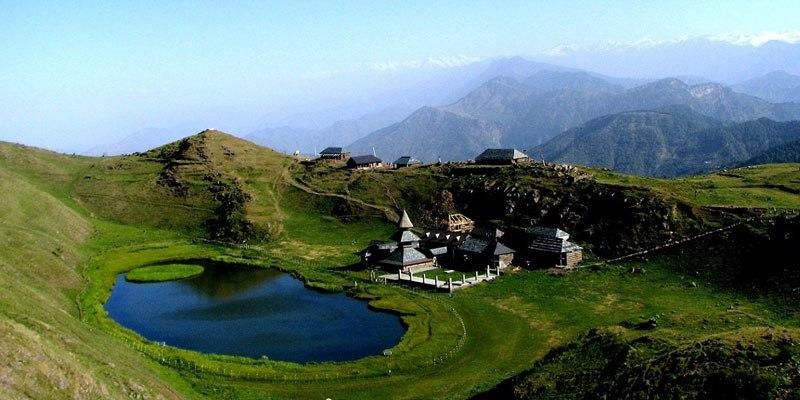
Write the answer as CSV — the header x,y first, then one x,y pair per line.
x,y
501,157
482,248
406,161
442,245
364,162
334,154
551,247
406,254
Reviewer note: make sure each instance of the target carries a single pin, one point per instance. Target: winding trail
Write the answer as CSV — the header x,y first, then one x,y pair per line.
x,y
390,214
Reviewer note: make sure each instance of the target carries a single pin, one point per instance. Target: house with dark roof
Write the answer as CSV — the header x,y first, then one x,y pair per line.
x,y
551,247
406,161
501,157
482,247
364,162
442,245
334,154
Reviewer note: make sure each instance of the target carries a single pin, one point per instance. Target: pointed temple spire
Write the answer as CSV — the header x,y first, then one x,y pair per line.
x,y
404,222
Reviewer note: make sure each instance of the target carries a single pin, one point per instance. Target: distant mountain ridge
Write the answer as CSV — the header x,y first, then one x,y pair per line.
x,y
288,139
784,153
776,86
440,90
669,142
523,114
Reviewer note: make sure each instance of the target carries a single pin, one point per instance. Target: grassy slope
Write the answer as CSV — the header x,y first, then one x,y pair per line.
x,y
747,363
508,325
47,352
763,186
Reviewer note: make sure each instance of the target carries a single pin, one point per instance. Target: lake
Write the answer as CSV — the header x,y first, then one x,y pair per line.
x,y
253,313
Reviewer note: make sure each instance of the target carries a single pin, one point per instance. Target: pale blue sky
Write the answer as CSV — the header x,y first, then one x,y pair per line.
x,y
74,71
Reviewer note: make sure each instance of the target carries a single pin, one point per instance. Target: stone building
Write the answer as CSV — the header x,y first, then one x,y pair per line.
x,y
406,161
551,247
364,162
481,248
501,157
333,154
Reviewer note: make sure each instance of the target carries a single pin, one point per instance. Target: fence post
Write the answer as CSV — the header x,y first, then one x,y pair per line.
x,y
450,284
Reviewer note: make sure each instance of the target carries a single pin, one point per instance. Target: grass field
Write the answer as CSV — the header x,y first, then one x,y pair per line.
x,y
66,237
165,272
762,186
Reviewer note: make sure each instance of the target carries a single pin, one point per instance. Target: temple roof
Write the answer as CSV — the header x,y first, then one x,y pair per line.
x,y
405,256
405,222
553,245
405,236
543,231
474,244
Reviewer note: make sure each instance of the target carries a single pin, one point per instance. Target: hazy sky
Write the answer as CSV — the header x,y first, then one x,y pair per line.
x,y
73,73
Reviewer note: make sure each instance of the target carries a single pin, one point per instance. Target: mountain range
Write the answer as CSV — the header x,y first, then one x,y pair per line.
x,y
526,113
784,153
308,140
669,142
776,86
302,133
747,64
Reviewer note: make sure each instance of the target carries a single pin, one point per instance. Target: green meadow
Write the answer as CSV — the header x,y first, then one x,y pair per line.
x,y
70,225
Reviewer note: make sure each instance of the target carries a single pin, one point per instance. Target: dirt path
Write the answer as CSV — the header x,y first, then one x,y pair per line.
x,y
389,213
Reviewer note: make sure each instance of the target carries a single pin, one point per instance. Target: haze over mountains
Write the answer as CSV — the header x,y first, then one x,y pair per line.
x,y
727,59
776,86
505,112
684,123
747,65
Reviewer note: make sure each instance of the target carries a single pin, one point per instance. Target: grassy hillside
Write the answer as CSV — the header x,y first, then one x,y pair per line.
x,y
761,186
741,364
47,351
612,218
73,223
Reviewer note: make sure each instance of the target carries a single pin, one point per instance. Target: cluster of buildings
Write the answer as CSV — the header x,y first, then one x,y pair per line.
x,y
488,157
462,246
365,161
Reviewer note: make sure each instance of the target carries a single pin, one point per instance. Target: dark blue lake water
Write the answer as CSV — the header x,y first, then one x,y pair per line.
x,y
253,313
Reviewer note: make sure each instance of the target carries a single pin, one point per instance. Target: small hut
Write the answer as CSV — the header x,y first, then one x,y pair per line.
x,y
406,161
364,162
334,154
501,157
482,248
551,247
